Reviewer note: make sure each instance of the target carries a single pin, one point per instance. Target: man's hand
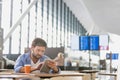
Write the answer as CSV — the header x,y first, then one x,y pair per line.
x,y
52,65
40,65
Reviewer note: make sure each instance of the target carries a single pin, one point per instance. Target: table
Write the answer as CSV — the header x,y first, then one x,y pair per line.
x,y
16,76
65,73
109,74
6,70
91,72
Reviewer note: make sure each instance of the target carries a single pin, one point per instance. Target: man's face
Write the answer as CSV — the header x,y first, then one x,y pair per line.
x,y
38,51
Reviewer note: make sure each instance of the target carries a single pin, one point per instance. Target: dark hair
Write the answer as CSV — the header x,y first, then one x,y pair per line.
x,y
39,42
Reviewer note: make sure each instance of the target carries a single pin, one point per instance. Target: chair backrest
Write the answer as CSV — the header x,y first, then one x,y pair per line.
x,y
67,78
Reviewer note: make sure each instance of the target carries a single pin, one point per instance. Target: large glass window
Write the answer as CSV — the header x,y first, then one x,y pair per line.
x,y
51,20
45,23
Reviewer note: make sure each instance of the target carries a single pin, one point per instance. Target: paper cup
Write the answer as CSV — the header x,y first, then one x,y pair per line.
x,y
27,68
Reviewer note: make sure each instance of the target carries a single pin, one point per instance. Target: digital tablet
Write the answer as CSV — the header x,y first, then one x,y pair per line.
x,y
44,68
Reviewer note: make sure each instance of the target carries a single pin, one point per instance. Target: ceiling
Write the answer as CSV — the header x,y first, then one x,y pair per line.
x,y
104,13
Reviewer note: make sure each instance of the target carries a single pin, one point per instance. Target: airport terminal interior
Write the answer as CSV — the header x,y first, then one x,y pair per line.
x,y
85,32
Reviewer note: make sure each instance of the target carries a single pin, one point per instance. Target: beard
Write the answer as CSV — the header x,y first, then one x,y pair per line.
x,y
35,55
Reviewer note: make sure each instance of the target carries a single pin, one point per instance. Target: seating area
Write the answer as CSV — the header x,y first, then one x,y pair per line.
x,y
94,74
7,63
59,40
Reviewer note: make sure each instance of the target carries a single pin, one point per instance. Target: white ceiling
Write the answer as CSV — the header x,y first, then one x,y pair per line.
x,y
104,13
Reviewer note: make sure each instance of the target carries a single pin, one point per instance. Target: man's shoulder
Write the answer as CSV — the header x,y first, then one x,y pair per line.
x,y
25,55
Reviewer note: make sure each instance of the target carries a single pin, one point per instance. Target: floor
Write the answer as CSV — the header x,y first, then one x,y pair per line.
x,y
105,78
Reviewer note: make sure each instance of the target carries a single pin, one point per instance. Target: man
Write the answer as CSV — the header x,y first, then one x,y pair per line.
x,y
35,57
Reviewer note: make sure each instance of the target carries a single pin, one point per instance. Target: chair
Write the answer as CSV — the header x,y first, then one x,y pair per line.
x,y
67,78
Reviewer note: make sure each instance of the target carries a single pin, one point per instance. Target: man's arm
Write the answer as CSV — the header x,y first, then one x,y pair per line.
x,y
20,62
